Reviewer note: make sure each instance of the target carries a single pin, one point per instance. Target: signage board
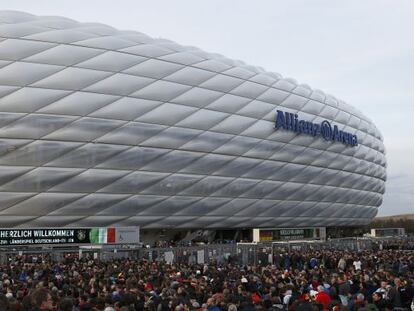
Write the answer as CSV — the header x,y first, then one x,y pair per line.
x,y
288,234
65,236
127,235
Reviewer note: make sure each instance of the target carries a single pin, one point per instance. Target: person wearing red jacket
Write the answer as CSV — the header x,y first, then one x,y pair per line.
x,y
322,298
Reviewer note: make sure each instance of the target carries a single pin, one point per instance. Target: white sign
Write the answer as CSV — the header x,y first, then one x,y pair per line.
x,y
169,257
200,256
126,235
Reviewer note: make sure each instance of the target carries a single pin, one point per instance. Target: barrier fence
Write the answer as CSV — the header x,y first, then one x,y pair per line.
x,y
240,253
262,253
219,253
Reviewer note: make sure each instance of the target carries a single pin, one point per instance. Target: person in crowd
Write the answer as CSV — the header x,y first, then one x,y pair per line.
x,y
41,300
66,304
357,303
211,305
378,300
357,264
322,297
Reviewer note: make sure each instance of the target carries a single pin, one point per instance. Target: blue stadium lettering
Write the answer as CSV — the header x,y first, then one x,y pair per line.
x,y
291,122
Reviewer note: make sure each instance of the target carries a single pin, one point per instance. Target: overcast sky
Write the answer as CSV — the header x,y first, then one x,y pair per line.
x,y
358,51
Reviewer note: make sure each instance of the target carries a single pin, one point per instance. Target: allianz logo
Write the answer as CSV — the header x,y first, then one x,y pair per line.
x,y
291,122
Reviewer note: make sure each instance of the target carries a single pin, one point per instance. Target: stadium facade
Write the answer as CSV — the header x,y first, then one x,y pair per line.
x,y
101,127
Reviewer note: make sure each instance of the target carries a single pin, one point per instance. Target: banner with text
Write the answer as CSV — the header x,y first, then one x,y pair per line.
x,y
121,235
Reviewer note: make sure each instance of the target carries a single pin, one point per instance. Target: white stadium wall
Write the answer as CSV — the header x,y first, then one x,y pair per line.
x,y
102,127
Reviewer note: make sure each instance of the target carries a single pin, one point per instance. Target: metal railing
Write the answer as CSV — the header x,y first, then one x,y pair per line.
x,y
263,253
240,253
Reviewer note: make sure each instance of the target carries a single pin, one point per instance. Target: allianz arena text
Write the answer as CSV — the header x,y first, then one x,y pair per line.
x,y
101,127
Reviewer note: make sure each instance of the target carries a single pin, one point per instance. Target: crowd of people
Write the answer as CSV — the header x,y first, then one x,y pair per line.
x,y
300,281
